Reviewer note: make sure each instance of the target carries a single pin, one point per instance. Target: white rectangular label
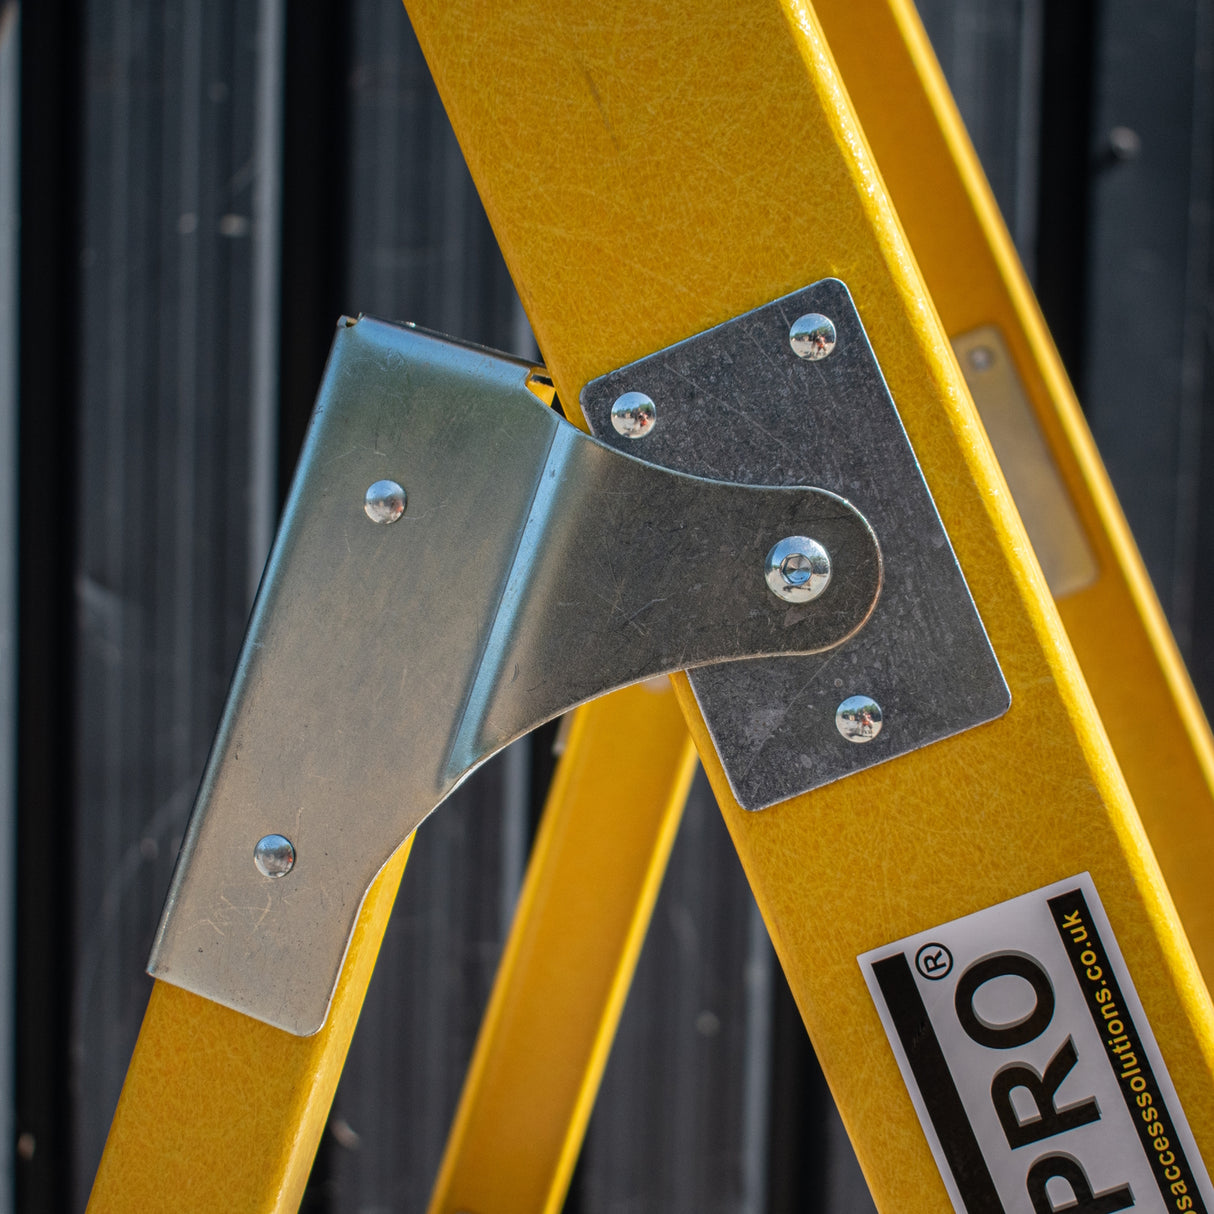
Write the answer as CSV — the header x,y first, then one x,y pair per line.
x,y
1031,1064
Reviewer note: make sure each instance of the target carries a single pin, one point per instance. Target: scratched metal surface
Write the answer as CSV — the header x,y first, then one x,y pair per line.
x,y
925,659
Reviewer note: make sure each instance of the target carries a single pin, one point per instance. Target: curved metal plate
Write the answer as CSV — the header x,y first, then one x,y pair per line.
x,y
532,568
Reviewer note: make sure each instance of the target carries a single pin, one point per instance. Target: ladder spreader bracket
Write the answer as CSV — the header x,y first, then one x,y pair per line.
x,y
456,564
787,394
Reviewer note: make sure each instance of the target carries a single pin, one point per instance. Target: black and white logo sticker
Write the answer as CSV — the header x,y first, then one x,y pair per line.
x,y
1031,1064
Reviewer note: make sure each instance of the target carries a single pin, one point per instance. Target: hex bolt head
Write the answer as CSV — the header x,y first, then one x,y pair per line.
x,y
633,415
274,856
812,336
797,569
385,502
858,718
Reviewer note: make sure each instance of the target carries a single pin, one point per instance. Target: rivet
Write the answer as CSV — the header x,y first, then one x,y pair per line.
x,y
812,336
858,718
633,415
274,856
1124,143
982,358
385,502
797,569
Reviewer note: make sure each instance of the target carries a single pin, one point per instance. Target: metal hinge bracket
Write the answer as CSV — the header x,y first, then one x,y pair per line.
x,y
791,393
456,564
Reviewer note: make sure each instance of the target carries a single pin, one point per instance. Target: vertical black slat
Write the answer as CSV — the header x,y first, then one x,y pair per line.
x,y
669,1130
1194,599
314,194
416,246
1201,654
120,318
799,1104
161,572
813,1164
1065,175
265,284
10,107
1149,312
50,502
1195,473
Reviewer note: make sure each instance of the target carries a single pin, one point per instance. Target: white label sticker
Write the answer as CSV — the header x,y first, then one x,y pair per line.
x,y
1031,1064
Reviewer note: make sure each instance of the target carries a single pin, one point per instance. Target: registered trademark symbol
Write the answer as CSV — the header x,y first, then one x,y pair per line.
x,y
934,961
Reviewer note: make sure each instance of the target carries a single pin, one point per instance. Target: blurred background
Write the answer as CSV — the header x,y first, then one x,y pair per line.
x,y
190,194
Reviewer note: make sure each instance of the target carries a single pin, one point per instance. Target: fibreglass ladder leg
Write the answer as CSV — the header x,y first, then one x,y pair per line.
x,y
694,168
611,818
222,1112
1125,649
1113,620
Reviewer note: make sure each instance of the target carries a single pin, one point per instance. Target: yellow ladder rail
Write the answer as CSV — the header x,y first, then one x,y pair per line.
x,y
1123,645
695,166
222,1112
1121,639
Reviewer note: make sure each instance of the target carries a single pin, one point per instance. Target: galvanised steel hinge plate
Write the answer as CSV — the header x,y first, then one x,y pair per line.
x,y
791,394
456,564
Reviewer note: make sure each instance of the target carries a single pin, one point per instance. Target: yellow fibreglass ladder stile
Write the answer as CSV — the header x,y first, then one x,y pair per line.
x,y
697,165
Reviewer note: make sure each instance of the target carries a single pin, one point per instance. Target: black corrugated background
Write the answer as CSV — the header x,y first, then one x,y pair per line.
x,y
204,188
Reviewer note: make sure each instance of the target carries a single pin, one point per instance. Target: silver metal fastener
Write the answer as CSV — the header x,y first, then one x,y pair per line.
x,y
812,336
858,718
385,502
797,569
274,856
633,415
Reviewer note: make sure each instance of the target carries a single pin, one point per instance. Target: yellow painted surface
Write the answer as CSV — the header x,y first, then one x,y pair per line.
x,y
1123,644
606,834
223,1113
651,170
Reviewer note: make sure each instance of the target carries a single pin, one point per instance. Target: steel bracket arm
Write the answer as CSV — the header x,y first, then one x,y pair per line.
x,y
456,565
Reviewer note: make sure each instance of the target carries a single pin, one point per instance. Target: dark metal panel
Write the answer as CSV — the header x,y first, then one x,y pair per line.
x,y
417,244
47,463
169,493
1147,332
813,1164
10,86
